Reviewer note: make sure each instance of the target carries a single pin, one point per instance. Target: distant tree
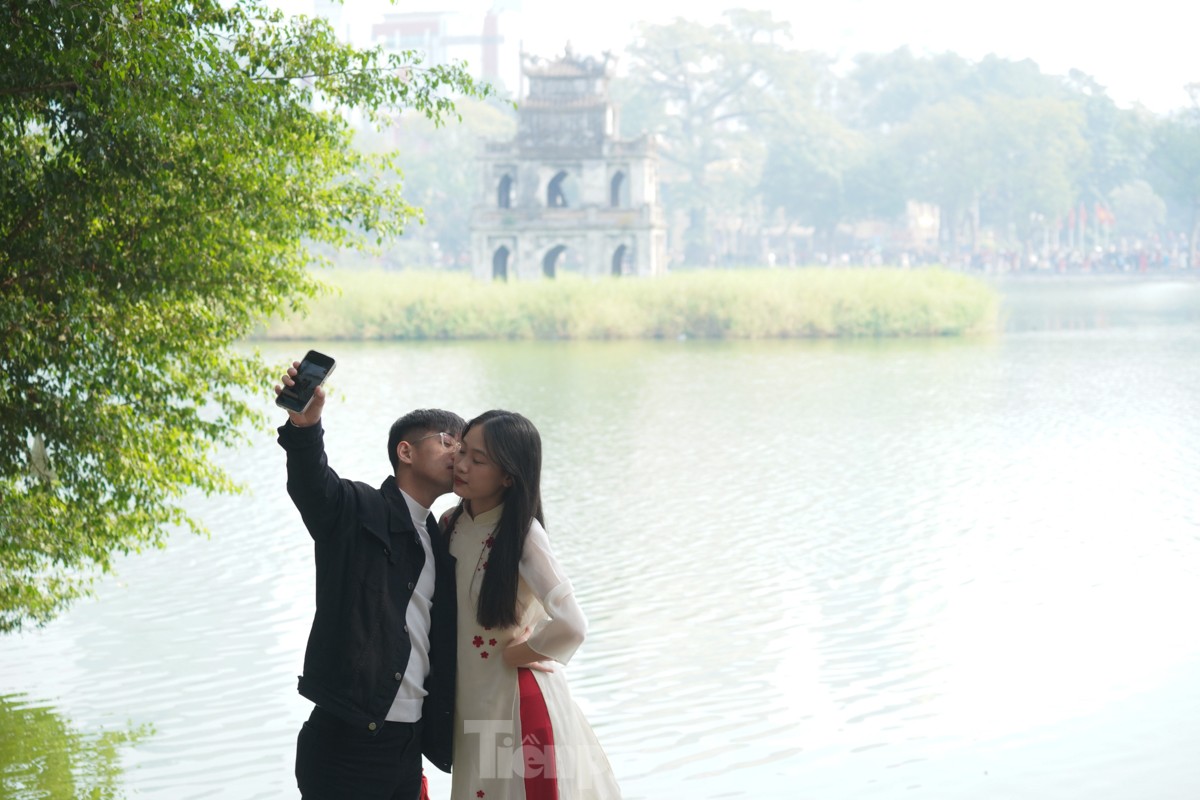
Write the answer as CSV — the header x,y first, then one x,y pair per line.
x,y
441,176
994,76
1118,139
709,92
995,142
944,149
822,175
1012,163
884,90
165,166
1137,210
1175,168
1117,142
875,184
1036,155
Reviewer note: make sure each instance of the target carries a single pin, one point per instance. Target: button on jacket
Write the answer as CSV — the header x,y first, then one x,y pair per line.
x,y
368,559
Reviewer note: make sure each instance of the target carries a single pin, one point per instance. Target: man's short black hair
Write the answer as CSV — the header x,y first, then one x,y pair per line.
x,y
423,420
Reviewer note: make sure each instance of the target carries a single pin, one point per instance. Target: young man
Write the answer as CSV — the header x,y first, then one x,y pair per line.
x,y
381,652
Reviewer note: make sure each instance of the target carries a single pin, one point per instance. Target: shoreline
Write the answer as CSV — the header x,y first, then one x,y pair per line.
x,y
810,303
1158,276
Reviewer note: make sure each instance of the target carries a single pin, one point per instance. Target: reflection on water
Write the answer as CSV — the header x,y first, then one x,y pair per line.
x,y
963,568
1048,303
44,756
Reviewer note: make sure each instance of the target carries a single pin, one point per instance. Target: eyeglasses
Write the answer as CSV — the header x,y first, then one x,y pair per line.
x,y
448,442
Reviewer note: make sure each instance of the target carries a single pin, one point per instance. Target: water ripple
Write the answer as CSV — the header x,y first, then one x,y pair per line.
x,y
810,569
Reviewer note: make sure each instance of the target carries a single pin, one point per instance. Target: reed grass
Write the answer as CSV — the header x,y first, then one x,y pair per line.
x,y
730,304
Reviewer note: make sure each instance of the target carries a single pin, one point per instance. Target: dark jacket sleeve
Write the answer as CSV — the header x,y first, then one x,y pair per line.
x,y
324,500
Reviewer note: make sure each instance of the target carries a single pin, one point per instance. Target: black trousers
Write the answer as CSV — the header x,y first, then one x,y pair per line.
x,y
337,761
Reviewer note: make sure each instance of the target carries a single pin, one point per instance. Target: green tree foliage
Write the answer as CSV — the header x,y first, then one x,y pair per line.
x,y
1117,139
805,175
710,93
1175,168
1011,162
945,151
886,89
1137,209
822,174
165,166
996,144
441,176
1035,158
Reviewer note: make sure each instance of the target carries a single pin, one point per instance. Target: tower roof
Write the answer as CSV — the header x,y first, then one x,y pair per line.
x,y
568,65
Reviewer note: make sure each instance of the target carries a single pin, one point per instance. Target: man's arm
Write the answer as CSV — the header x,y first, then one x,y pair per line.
x,y
319,494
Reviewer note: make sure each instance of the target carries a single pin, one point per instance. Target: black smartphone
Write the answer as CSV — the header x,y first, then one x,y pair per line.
x,y
313,370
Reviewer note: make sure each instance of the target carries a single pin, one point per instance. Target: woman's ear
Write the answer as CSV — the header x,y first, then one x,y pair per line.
x,y
507,482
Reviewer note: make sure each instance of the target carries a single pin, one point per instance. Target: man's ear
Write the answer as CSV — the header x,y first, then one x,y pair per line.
x,y
404,452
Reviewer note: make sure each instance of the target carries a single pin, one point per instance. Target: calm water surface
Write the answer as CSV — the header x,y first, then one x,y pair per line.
x,y
935,569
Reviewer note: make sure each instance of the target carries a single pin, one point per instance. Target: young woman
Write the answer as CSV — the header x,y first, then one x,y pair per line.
x,y
518,735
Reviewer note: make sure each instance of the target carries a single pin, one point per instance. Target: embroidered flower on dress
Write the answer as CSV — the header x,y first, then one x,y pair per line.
x,y
480,793
484,654
492,642
489,541
478,641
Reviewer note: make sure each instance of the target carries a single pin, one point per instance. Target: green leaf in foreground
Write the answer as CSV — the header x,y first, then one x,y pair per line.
x,y
164,167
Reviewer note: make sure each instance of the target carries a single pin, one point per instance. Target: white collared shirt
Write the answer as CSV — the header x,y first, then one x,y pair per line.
x,y
406,707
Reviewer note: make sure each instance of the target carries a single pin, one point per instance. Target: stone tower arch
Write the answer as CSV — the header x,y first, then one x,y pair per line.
x,y
581,186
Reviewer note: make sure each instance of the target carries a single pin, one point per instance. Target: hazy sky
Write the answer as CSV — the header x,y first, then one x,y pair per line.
x,y
1141,52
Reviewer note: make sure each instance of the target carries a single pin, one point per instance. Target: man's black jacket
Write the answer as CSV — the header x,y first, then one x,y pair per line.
x,y
368,560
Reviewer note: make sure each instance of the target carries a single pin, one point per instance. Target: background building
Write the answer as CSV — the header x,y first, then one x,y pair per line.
x,y
566,193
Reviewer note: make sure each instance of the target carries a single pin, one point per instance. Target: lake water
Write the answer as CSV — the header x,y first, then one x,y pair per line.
x,y
849,569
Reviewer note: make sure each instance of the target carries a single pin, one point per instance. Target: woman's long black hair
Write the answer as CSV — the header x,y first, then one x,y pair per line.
x,y
515,446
